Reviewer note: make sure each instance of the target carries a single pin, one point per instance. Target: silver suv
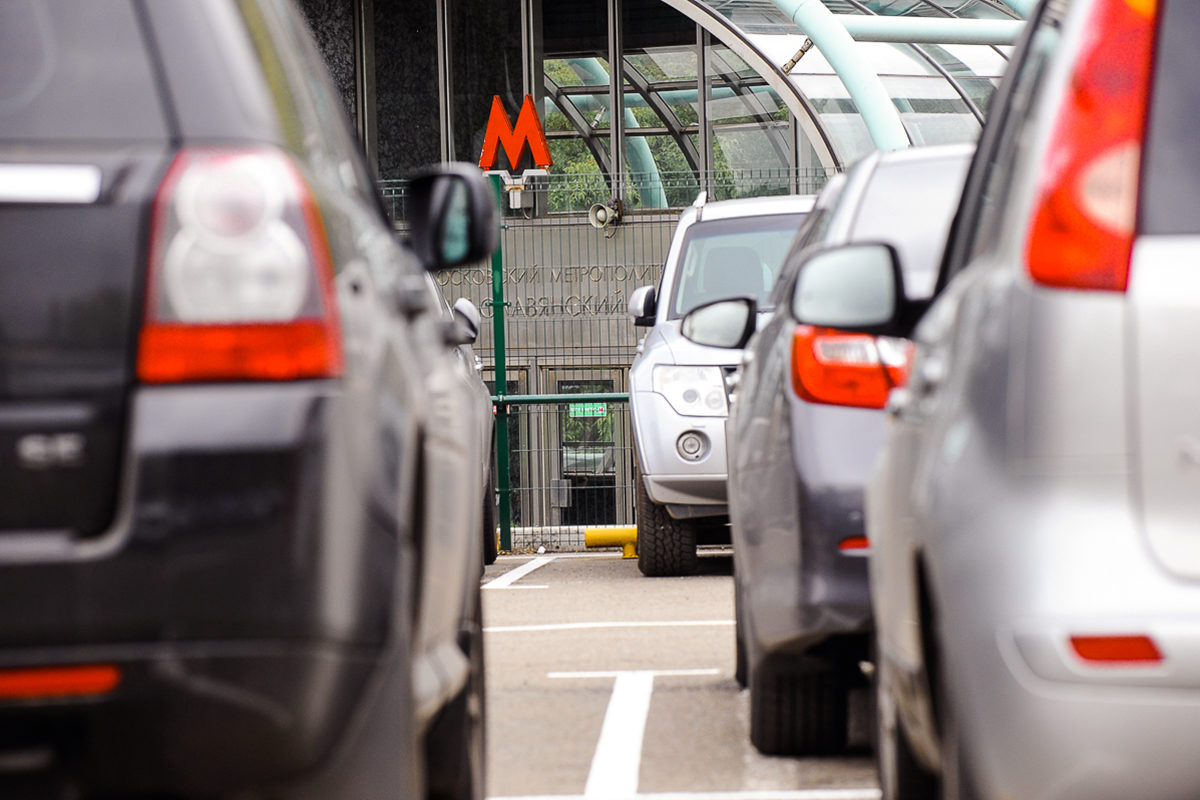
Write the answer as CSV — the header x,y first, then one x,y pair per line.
x,y
677,398
1035,562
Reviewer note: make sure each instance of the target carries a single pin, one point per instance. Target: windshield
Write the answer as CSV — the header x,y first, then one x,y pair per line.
x,y
737,257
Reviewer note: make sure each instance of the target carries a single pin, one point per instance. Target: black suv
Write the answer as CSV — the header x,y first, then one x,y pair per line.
x,y
230,423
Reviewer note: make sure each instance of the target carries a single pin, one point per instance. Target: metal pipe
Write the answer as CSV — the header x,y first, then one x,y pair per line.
x,y
503,478
865,87
930,30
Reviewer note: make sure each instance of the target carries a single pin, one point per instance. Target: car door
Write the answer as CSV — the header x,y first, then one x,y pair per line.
x,y
403,372
946,406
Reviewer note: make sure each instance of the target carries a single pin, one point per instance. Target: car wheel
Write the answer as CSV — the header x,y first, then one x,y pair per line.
x,y
901,777
456,745
490,545
666,546
797,709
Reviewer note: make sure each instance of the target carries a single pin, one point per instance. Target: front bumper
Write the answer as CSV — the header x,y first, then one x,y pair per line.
x,y
671,478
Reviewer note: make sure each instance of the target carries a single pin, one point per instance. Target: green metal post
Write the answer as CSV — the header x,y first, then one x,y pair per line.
x,y
503,479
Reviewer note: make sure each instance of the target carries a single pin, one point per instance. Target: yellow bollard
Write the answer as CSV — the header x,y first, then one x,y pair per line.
x,y
623,536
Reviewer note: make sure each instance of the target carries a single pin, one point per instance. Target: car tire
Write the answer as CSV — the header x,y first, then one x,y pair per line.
x,y
901,776
491,547
797,709
456,746
666,546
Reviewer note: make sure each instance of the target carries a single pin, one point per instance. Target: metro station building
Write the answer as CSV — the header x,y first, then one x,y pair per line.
x,y
644,103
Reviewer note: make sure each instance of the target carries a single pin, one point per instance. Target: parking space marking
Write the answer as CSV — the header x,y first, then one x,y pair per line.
x,y
585,626
617,762
758,794
507,580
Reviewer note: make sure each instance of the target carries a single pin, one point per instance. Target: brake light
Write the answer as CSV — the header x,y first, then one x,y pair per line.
x,y
41,682
847,369
240,274
854,545
1117,650
1086,209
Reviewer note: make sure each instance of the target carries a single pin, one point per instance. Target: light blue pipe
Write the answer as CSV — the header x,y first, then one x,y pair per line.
x,y
929,30
646,176
866,89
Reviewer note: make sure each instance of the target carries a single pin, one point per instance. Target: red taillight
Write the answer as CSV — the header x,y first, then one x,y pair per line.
x,y
240,276
1086,209
854,545
41,682
847,369
1135,650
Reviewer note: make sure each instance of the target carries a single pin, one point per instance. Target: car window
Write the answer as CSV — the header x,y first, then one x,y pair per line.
x,y
989,179
1171,195
737,257
76,70
813,230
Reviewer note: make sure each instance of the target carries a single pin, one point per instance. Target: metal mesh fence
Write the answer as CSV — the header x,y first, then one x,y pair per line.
x,y
571,466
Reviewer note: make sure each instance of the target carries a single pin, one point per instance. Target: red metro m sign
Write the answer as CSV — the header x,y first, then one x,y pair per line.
x,y
500,131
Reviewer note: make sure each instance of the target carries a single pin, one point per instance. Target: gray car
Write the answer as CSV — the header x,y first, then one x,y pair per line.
x,y
1035,563
804,430
677,393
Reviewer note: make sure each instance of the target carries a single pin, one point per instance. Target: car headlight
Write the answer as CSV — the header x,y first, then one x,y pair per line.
x,y
692,391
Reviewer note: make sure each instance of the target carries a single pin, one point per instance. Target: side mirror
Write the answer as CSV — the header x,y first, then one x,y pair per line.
x,y
643,304
467,316
453,218
723,323
856,287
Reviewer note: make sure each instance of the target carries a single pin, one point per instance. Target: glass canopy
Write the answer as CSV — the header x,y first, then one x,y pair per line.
x,y
731,95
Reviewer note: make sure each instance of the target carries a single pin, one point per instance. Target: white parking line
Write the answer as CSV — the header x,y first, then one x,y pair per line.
x,y
616,764
506,580
759,794
585,626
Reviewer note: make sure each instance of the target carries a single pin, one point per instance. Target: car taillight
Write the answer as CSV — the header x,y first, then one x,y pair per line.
x,y
847,369
1086,210
240,274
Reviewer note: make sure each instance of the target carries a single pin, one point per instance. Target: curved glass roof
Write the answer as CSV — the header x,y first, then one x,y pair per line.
x,y
772,105
941,90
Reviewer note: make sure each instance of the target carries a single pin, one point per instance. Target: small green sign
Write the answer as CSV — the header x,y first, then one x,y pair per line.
x,y
589,409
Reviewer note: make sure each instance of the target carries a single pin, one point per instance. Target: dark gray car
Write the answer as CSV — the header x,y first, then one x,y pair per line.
x,y
805,427
235,554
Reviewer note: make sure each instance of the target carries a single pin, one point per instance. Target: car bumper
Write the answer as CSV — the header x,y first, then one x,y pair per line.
x,y
671,478
1068,560
800,587
245,594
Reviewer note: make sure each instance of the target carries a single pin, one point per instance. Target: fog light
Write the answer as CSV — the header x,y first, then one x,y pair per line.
x,y
692,445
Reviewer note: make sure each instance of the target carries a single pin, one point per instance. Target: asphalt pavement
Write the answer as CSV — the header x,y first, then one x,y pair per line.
x,y
603,684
